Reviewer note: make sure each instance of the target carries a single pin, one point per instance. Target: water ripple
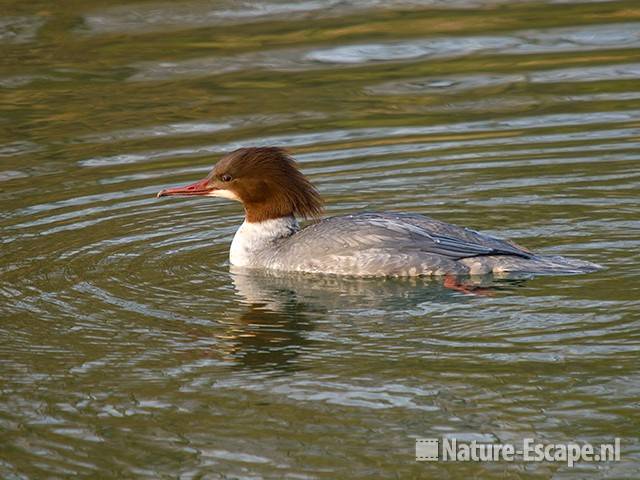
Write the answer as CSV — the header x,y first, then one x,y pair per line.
x,y
460,83
332,136
559,40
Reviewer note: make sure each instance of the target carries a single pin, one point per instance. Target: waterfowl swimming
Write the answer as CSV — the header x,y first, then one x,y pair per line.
x,y
274,193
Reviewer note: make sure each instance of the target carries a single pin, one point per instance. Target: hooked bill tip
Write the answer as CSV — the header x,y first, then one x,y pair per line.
x,y
160,194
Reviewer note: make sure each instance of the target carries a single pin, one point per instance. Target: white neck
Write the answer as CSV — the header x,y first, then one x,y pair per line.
x,y
252,238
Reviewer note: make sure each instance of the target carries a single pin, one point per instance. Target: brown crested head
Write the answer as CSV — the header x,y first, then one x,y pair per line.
x,y
265,179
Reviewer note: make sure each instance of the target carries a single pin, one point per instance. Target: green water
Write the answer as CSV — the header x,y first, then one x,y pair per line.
x,y
128,349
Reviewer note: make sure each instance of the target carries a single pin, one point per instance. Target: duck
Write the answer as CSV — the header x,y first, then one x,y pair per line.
x,y
275,195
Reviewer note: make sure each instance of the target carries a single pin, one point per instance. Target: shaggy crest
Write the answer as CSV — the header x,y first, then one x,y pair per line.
x,y
267,181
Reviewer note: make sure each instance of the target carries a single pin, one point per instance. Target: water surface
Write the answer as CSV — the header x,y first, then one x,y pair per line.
x,y
129,349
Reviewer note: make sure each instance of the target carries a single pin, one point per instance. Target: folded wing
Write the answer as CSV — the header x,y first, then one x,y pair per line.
x,y
403,233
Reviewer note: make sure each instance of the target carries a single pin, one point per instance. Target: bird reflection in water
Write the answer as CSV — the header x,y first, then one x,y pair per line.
x,y
272,332
281,308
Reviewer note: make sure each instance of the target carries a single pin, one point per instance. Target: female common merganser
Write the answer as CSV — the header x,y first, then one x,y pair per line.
x,y
274,192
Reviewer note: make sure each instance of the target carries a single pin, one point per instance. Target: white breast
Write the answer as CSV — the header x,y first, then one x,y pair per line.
x,y
254,238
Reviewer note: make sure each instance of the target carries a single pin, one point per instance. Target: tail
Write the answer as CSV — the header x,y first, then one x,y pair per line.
x,y
546,265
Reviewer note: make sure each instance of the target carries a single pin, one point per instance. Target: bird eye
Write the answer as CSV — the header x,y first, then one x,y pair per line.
x,y
225,178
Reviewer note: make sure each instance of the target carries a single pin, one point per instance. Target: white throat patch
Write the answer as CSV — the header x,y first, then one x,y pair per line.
x,y
224,194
